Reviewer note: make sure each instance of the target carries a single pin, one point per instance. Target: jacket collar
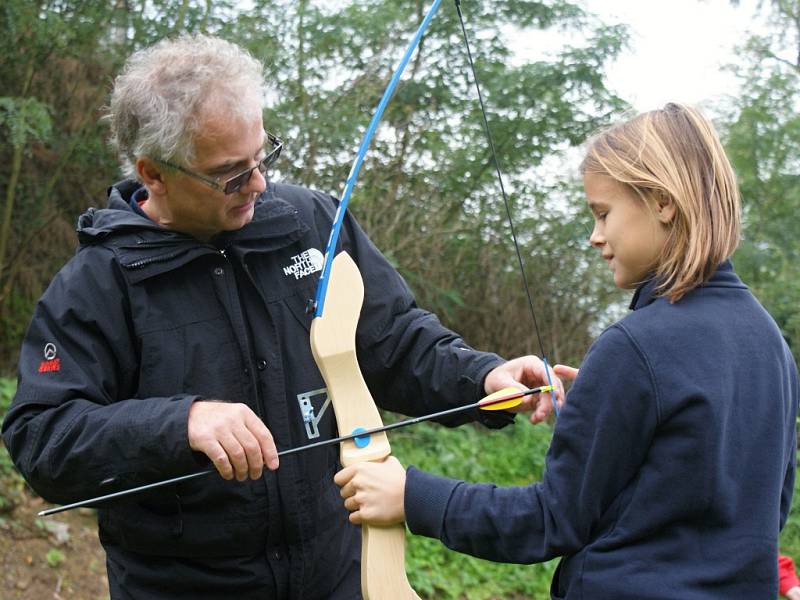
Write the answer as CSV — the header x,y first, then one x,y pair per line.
x,y
724,276
273,218
145,249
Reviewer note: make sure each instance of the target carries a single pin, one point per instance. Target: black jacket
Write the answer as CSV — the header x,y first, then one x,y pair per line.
x,y
144,321
671,468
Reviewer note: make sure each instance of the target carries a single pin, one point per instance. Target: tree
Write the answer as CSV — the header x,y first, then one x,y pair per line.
x,y
428,195
762,136
54,161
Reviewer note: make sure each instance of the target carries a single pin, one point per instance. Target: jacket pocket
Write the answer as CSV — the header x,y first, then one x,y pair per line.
x,y
222,518
200,358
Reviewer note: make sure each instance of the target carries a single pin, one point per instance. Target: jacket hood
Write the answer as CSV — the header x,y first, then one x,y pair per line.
x,y
723,276
274,219
96,224
149,249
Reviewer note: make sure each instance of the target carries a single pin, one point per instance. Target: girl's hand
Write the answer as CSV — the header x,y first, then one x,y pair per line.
x,y
373,491
565,372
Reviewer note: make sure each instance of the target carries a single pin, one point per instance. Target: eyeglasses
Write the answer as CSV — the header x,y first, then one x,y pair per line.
x,y
234,184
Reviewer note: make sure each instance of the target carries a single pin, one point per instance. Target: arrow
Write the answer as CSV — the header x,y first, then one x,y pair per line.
x,y
500,400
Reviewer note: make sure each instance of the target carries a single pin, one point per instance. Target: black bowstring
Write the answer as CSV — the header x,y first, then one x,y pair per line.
x,y
500,178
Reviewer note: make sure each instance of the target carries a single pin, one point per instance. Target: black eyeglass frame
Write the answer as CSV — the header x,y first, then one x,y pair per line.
x,y
234,184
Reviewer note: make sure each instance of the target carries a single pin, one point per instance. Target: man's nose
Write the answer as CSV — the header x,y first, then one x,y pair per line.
x,y
256,183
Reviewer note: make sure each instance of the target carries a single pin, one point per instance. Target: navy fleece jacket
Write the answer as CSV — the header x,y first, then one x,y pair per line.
x,y
671,468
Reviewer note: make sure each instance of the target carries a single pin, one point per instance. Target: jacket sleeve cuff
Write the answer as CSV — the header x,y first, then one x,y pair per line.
x,y
426,498
492,419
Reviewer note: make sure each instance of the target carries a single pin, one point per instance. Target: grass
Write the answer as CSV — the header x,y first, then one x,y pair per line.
x,y
790,536
7,471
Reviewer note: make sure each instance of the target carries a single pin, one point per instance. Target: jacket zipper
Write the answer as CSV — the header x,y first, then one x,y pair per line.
x,y
156,259
247,342
163,258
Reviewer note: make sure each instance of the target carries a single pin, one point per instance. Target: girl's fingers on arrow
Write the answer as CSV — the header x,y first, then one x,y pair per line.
x,y
565,372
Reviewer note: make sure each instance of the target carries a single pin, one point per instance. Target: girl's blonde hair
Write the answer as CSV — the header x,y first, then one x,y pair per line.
x,y
675,153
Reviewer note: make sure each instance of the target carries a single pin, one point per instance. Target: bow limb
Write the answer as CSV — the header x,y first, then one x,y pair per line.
x,y
383,575
330,250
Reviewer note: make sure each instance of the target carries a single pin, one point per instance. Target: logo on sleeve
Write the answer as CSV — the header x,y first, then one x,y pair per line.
x,y
307,262
50,363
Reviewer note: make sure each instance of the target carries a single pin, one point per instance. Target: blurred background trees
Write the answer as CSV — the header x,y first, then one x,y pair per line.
x,y
427,194
762,134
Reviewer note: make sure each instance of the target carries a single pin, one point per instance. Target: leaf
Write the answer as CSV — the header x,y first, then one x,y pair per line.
x,y
55,557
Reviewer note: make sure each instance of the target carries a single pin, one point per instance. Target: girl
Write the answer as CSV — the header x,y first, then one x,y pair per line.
x,y
671,467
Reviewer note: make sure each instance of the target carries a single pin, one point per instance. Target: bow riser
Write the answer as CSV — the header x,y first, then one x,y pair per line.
x,y
333,336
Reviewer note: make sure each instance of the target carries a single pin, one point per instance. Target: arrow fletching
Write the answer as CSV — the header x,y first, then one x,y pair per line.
x,y
509,398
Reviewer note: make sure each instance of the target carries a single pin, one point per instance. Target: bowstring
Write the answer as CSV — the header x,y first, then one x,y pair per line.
x,y
506,202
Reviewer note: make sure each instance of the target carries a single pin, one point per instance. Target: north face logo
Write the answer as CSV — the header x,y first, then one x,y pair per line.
x,y
305,263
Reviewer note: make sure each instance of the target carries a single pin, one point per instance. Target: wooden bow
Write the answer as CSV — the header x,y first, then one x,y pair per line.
x,y
333,336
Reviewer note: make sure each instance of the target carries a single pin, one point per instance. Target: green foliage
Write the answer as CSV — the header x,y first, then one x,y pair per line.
x,y
55,557
7,389
24,119
11,483
762,134
427,193
430,162
789,543
510,456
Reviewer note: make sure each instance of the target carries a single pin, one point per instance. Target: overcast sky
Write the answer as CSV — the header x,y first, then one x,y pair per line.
x,y
677,48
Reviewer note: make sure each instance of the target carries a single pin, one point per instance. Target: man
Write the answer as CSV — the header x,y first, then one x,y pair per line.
x,y
179,334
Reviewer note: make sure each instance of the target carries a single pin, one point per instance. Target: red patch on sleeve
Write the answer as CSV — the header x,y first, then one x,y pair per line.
x,y
49,366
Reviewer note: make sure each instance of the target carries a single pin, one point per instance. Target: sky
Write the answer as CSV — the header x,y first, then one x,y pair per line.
x,y
676,51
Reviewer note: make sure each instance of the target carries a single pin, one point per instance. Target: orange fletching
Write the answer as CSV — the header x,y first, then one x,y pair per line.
x,y
502,399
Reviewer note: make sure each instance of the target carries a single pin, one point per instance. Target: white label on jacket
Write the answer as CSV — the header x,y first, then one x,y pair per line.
x,y
307,262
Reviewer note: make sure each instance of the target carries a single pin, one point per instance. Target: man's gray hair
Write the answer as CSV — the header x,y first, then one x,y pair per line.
x,y
159,98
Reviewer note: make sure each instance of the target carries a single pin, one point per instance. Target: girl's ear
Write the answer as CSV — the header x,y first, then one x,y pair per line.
x,y
665,208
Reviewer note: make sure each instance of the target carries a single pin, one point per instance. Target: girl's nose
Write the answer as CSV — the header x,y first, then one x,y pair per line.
x,y
596,238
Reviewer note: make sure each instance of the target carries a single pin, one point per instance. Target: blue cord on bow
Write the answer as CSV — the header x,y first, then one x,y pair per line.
x,y
330,249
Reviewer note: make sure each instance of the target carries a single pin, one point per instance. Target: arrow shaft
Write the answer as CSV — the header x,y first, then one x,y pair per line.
x,y
298,449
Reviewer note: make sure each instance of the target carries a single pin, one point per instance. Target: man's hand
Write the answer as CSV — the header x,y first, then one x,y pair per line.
x,y
373,492
526,372
233,437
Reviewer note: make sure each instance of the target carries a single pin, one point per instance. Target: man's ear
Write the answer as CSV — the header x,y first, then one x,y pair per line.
x,y
152,175
665,207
